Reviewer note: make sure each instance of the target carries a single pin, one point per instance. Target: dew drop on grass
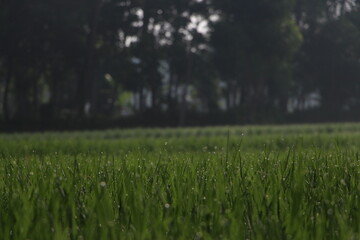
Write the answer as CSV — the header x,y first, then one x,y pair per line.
x,y
330,211
103,184
342,181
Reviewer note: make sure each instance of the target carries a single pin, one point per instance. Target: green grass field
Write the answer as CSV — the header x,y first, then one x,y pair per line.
x,y
269,182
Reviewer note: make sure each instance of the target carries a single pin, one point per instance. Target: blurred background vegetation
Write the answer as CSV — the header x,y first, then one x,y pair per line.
x,y
104,63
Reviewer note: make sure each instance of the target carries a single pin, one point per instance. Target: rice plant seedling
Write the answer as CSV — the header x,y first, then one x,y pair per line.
x,y
250,182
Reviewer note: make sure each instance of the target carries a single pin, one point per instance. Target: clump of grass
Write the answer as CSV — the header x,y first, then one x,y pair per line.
x,y
273,185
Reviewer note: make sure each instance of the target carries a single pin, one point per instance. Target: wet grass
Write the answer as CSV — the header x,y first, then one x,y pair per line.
x,y
274,182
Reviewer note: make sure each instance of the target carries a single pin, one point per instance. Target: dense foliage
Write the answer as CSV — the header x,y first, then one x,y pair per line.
x,y
250,60
295,182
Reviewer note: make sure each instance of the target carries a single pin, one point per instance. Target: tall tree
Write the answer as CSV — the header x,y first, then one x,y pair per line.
x,y
254,43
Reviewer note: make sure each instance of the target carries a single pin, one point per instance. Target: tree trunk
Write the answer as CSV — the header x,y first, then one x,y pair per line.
x,y
141,101
8,77
242,96
155,97
22,87
54,95
228,97
169,93
145,20
284,104
183,104
343,7
171,96
35,93
87,76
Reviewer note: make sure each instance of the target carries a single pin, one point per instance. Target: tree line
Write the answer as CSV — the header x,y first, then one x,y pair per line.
x,y
178,62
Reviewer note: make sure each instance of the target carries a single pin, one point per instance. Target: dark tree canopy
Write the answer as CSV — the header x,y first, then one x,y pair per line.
x,y
177,62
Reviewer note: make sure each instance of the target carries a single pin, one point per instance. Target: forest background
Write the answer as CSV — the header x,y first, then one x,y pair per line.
x,y
127,63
